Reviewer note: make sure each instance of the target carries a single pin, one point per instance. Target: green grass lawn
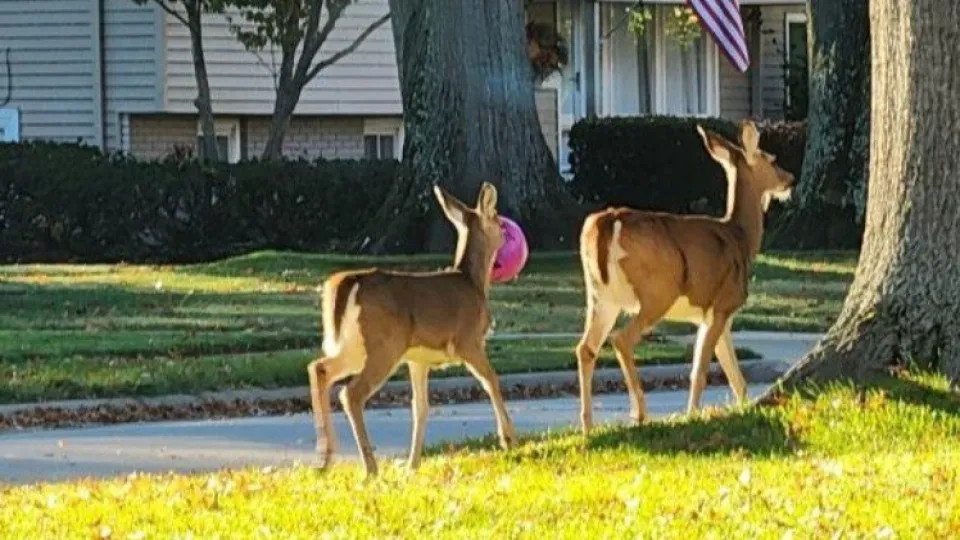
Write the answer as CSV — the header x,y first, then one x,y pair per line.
x,y
826,467
69,331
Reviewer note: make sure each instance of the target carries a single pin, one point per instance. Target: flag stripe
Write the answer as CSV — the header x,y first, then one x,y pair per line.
x,y
718,24
731,51
724,29
722,19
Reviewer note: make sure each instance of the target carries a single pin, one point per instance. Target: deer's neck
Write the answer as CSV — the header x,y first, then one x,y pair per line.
x,y
474,262
748,215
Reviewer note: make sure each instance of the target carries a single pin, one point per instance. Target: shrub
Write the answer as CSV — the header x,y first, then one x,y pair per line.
x,y
61,202
659,163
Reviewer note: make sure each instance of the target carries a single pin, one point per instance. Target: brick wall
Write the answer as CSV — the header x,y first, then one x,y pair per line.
x,y
155,136
311,137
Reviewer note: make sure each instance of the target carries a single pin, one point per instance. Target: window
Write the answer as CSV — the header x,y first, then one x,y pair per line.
x,y
228,140
628,61
652,73
9,125
685,77
378,146
795,66
382,138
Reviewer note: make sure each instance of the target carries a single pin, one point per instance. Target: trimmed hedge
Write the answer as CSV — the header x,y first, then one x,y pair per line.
x,y
659,163
64,202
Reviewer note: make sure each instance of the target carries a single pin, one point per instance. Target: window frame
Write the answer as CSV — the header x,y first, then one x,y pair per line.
x,y
229,128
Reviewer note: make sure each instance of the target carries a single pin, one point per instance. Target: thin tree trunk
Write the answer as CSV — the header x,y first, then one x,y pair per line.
x,y
831,197
470,116
202,102
904,304
279,123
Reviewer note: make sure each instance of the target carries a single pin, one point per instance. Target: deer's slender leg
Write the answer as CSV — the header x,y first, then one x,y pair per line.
x,y
419,374
478,364
623,343
707,337
378,368
727,357
600,318
323,373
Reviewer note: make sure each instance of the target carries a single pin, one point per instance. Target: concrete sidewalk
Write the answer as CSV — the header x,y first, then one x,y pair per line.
x,y
778,351
52,455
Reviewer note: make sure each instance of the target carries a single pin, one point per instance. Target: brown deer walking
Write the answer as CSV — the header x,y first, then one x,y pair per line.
x,y
681,268
374,319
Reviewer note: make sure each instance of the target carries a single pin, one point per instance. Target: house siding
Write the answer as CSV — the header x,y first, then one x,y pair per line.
x,y
734,91
773,57
362,83
52,51
547,113
132,84
735,86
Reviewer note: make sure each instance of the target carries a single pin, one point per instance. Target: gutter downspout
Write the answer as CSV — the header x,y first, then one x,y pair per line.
x,y
99,77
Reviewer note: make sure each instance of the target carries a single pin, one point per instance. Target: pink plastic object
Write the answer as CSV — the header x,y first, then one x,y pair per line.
x,y
512,255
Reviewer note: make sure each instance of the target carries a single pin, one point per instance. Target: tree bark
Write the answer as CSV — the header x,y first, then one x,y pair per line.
x,y
904,304
203,101
831,195
280,122
470,116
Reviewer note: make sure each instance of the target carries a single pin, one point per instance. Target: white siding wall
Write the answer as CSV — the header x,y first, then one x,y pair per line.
x,y
772,47
363,83
734,91
52,52
735,86
133,56
55,61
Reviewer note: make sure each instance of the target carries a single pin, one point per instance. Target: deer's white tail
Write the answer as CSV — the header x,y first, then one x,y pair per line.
x,y
336,333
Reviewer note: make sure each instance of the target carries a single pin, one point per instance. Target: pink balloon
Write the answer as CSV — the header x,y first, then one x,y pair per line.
x,y
512,255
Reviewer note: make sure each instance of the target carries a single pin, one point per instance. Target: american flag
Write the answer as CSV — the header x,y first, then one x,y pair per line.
x,y
722,19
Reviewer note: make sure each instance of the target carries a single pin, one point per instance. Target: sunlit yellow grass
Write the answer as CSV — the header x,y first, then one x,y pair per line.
x,y
823,468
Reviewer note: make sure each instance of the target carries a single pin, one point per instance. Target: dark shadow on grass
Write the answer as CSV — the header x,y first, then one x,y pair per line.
x,y
903,388
914,393
748,433
766,270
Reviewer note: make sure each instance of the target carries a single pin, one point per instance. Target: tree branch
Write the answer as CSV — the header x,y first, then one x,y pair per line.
x,y
163,5
311,40
349,49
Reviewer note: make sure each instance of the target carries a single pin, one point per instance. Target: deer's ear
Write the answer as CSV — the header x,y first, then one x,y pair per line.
x,y
487,201
452,207
717,147
749,138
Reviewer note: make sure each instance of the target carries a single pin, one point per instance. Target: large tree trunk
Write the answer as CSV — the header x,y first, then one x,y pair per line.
x,y
470,116
904,304
203,101
831,195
